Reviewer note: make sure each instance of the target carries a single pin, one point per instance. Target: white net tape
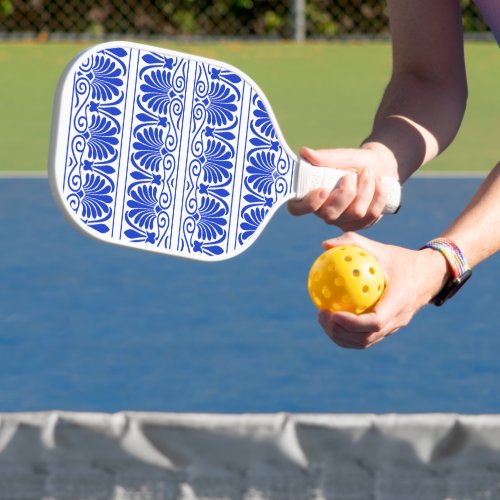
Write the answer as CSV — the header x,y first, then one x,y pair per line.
x,y
160,456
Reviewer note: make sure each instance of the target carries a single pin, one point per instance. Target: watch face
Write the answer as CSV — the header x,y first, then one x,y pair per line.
x,y
451,288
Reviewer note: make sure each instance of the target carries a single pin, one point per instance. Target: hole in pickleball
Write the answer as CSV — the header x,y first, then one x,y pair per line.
x,y
317,276
366,289
327,293
363,254
356,273
348,258
372,270
339,281
317,301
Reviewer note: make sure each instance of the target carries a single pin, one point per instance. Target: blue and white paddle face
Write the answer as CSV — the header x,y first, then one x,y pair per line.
x,y
166,152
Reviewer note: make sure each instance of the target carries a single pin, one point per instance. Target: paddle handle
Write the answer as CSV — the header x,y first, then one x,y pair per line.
x,y
309,177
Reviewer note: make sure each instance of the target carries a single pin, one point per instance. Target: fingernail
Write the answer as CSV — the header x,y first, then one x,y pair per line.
x,y
328,243
306,150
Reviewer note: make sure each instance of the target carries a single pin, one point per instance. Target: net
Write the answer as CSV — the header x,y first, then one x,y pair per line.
x,y
159,456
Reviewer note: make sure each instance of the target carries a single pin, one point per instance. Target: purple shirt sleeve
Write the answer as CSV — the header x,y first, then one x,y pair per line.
x,y
490,9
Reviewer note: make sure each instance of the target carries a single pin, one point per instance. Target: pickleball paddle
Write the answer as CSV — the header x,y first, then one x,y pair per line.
x,y
172,153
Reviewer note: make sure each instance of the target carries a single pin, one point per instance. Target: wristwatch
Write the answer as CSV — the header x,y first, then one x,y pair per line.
x,y
459,267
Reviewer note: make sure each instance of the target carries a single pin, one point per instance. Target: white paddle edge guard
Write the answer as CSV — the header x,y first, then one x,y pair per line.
x,y
309,177
303,178
57,159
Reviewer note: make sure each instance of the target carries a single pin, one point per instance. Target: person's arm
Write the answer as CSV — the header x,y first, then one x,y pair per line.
x,y
419,115
424,103
414,277
477,230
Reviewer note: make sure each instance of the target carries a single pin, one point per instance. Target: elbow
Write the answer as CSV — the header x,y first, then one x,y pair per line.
x,y
461,93
445,94
462,96
447,86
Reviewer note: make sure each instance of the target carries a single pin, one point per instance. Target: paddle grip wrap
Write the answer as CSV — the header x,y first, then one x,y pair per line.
x,y
309,177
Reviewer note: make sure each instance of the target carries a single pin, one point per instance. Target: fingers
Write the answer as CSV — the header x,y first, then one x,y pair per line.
x,y
310,203
368,204
352,238
348,158
355,332
379,201
339,198
356,202
365,330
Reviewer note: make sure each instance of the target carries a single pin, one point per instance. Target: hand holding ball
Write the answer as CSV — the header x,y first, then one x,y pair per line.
x,y
346,278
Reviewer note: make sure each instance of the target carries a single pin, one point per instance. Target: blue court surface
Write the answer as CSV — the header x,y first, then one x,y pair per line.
x,y
86,326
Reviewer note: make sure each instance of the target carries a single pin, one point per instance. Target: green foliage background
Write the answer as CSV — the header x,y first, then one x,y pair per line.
x,y
216,18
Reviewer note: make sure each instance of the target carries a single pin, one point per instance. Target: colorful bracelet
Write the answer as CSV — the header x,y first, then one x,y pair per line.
x,y
458,265
452,254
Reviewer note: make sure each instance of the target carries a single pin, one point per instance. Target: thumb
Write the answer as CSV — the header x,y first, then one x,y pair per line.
x,y
353,159
349,238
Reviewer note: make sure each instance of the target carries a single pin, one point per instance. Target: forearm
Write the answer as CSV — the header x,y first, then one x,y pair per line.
x,y
477,230
416,121
424,102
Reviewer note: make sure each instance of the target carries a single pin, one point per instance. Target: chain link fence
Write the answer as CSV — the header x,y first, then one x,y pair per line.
x,y
206,18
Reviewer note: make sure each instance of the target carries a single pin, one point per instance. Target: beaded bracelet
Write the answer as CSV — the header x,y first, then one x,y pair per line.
x,y
459,267
451,253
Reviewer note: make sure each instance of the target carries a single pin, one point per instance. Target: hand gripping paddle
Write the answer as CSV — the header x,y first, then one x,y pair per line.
x,y
172,153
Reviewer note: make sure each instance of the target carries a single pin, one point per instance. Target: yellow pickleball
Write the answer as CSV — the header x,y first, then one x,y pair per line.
x,y
346,278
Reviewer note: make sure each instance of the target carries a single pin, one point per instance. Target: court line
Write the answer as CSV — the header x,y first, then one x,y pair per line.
x,y
23,175
452,174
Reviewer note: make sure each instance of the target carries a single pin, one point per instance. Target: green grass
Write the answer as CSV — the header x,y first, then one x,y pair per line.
x,y
323,94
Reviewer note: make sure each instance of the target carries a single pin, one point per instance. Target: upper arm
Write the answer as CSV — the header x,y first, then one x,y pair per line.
x,y
427,40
